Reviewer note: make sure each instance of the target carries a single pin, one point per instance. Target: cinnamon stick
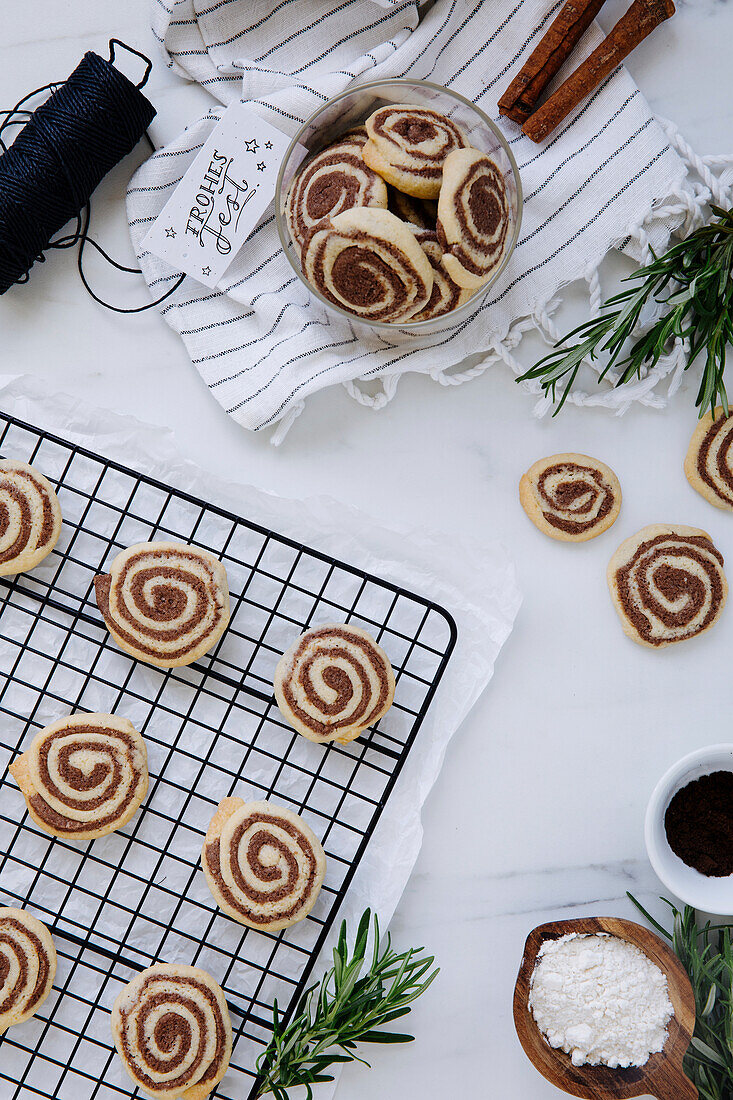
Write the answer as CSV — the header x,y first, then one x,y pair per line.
x,y
547,58
640,20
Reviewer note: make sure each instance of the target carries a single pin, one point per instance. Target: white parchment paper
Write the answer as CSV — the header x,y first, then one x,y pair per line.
x,y
476,584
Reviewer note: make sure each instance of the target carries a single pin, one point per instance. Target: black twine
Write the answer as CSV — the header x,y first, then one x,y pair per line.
x,y
66,146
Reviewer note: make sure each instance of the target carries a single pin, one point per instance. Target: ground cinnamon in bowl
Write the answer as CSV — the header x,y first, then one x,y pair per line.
x,y
699,824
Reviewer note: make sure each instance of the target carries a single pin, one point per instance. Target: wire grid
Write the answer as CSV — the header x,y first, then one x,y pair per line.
x,y
212,729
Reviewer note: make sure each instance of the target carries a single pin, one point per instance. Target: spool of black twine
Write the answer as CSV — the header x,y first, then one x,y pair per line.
x,y
65,148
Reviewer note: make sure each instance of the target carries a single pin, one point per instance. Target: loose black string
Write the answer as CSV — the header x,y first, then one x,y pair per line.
x,y
66,146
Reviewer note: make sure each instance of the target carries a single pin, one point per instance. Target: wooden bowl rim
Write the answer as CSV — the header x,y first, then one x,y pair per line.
x,y
680,993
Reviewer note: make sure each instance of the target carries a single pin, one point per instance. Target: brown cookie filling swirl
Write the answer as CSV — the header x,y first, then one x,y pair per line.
x,y
476,233
288,897
415,139
714,463
110,786
172,1032
577,498
165,603
15,940
320,650
18,488
671,586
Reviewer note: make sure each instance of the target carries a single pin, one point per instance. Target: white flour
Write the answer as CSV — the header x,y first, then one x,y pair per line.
x,y
600,999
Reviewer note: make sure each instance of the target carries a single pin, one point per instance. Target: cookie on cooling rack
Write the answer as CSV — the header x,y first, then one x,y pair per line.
x,y
84,776
263,864
27,966
709,461
173,1032
164,603
30,517
334,682
667,584
570,497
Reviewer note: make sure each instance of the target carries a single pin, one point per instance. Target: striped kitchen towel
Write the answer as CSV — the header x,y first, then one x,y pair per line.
x,y
609,177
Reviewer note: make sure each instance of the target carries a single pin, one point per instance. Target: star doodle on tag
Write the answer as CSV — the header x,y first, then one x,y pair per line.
x,y
261,166
170,232
206,271
252,145
268,145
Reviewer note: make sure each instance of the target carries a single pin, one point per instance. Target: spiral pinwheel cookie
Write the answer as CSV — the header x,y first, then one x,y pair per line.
x,y
667,584
709,461
370,263
263,864
335,179
84,776
473,217
446,295
30,517
334,682
420,212
27,966
570,497
164,603
172,1030
408,146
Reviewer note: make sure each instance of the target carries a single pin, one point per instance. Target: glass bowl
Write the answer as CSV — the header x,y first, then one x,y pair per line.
x,y
350,109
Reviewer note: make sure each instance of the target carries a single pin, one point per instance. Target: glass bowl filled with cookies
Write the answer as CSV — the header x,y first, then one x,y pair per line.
x,y
398,205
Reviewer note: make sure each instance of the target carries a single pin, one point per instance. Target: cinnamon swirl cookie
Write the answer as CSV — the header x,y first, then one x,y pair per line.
x,y
667,584
446,295
30,517
570,497
368,262
709,461
420,212
27,966
84,776
263,864
335,179
172,1030
473,217
408,146
164,603
333,683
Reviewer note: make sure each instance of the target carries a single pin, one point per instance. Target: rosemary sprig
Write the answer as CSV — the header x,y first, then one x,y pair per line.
x,y
706,952
343,1009
693,281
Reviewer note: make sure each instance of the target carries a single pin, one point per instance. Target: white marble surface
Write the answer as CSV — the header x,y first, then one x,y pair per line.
x,y
538,811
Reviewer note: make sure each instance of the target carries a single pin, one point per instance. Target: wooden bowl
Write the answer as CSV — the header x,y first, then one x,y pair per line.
x,y
662,1076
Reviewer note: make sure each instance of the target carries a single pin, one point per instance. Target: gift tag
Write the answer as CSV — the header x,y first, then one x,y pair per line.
x,y
221,198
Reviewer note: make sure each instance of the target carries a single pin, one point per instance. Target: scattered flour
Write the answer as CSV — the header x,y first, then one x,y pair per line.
x,y
600,999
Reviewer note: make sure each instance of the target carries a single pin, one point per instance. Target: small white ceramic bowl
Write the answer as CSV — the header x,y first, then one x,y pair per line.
x,y
711,895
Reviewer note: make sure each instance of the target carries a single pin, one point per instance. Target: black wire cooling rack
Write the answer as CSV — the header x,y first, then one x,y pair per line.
x,y
212,729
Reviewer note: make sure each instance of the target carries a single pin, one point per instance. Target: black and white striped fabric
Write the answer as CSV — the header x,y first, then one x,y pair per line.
x,y
608,176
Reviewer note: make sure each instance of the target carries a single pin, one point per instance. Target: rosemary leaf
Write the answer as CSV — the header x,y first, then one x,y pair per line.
x,y
348,1006
693,283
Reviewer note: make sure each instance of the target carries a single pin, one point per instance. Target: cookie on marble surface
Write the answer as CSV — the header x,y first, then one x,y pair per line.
x,y
667,584
173,1032
84,776
263,864
27,966
164,603
30,517
334,682
570,497
445,295
369,262
334,180
709,460
408,146
473,217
